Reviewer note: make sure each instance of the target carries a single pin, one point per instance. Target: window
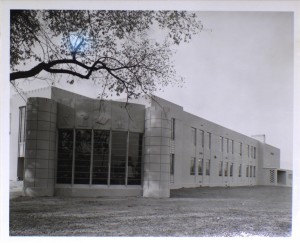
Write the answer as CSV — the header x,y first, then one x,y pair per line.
x,y
248,149
82,156
118,158
65,156
247,171
240,170
254,153
202,138
100,157
232,147
241,149
221,168
134,170
226,169
227,145
193,167
172,167
22,132
221,144
207,167
200,167
209,140
231,170
172,160
254,171
194,136
250,170
173,128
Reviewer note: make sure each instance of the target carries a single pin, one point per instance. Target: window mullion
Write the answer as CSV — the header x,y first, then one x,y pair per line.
x,y
92,157
126,163
109,157
73,157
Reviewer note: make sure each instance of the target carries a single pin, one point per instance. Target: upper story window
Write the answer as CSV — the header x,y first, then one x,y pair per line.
x,y
202,138
227,145
248,150
221,144
209,140
241,149
173,128
194,135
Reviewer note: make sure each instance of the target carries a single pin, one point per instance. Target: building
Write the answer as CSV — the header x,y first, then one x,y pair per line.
x,y
70,145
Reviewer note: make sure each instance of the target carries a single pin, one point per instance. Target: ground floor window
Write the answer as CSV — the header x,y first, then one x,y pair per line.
x,y
200,167
193,166
231,170
207,167
226,169
99,157
221,168
172,167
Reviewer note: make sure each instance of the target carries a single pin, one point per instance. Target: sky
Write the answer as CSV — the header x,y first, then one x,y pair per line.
x,y
238,73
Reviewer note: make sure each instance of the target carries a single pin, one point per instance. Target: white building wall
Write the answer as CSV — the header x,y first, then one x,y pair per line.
x,y
185,150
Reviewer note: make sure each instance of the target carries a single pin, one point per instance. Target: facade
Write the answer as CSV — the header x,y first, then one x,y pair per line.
x,y
70,145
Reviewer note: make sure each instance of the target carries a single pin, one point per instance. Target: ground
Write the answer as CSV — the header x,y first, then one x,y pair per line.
x,y
239,211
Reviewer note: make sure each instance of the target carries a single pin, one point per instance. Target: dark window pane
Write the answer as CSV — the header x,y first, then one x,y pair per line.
x,y
134,159
100,157
118,158
65,156
82,157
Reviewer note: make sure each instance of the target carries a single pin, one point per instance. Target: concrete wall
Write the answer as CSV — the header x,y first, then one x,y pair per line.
x,y
270,156
184,149
40,149
156,181
77,111
17,101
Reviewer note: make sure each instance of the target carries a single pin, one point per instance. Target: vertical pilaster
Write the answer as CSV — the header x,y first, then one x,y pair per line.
x,y
39,172
157,154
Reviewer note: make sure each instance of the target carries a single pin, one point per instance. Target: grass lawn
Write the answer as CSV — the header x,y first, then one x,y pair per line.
x,y
239,211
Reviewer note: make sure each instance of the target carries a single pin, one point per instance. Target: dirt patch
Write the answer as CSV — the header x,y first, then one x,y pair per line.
x,y
242,211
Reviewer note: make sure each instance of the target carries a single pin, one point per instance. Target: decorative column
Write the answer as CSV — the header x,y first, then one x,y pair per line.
x,y
156,181
40,147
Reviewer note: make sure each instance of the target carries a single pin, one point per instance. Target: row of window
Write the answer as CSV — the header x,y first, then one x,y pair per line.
x,y
200,167
225,169
229,143
99,157
226,144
